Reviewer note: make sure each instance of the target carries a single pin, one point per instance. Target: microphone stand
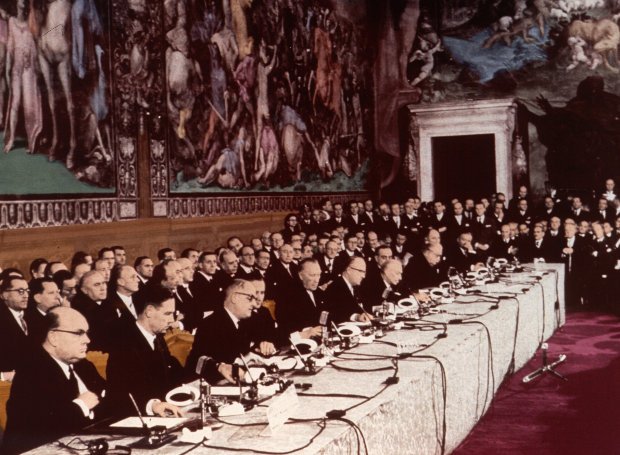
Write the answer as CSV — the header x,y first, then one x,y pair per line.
x,y
546,368
309,364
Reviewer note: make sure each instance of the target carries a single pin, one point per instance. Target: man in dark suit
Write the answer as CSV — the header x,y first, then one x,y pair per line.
x,y
327,263
521,195
14,341
140,363
350,250
247,260
522,215
354,222
368,216
261,325
204,287
341,299
575,254
144,266
391,273
504,246
221,337
603,213
229,265
262,264
56,391
462,254
283,273
457,222
483,230
548,210
539,248
299,310
577,212
185,300
424,270
337,220
45,295
119,305
89,301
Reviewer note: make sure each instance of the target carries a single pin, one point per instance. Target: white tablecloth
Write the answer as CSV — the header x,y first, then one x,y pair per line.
x,y
483,345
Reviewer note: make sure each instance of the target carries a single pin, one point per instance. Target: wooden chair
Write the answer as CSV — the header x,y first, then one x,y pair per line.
x,y
271,306
100,360
5,391
179,344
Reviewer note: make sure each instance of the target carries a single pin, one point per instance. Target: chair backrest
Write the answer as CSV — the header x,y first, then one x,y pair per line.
x,y
179,344
100,360
5,391
271,306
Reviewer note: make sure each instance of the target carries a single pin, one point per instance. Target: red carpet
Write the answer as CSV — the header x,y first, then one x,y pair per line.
x,y
549,416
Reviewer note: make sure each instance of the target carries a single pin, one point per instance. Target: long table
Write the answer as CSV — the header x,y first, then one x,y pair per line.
x,y
445,383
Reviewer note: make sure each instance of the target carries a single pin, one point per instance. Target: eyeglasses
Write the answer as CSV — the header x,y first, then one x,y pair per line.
x,y
19,291
358,270
247,254
251,297
78,333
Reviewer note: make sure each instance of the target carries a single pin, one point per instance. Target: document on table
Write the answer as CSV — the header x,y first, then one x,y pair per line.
x,y
134,422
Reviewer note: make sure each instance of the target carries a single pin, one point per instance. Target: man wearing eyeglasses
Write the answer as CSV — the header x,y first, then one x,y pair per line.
x,y
221,337
341,297
89,301
247,259
57,391
14,341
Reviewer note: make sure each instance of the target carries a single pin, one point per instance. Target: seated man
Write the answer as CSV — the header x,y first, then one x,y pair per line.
x,y
140,363
221,337
56,391
298,311
261,325
341,297
463,255
391,272
425,270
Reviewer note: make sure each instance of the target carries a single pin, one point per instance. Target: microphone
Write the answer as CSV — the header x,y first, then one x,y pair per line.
x,y
135,405
323,318
202,362
308,364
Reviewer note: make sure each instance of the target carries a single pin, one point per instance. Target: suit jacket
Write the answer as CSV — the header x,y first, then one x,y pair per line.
x,y
547,251
454,228
369,224
14,344
117,309
578,262
372,288
187,304
354,227
279,281
296,311
98,317
134,367
206,293
326,274
41,408
419,274
459,260
499,248
218,338
484,232
243,275
339,301
261,326
36,325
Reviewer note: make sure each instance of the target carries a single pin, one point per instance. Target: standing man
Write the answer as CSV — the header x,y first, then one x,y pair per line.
x,y
203,287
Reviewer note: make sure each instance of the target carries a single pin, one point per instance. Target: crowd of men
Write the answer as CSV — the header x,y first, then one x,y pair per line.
x,y
340,259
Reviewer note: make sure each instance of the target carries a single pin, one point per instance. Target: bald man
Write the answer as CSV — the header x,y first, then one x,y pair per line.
x,y
57,391
391,273
341,297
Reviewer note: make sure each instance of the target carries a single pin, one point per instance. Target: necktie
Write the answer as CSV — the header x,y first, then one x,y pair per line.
x,y
22,321
538,242
75,390
479,219
160,350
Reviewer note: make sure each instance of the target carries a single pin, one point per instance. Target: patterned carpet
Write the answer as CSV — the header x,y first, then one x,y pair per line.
x,y
549,416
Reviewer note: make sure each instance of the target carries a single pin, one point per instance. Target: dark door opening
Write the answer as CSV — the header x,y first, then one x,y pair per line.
x,y
464,166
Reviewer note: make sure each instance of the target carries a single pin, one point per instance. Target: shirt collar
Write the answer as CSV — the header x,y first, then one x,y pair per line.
x,y
234,318
206,275
125,298
150,337
63,366
349,285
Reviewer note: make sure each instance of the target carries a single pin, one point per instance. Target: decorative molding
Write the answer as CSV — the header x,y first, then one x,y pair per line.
x,y
188,207
59,212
